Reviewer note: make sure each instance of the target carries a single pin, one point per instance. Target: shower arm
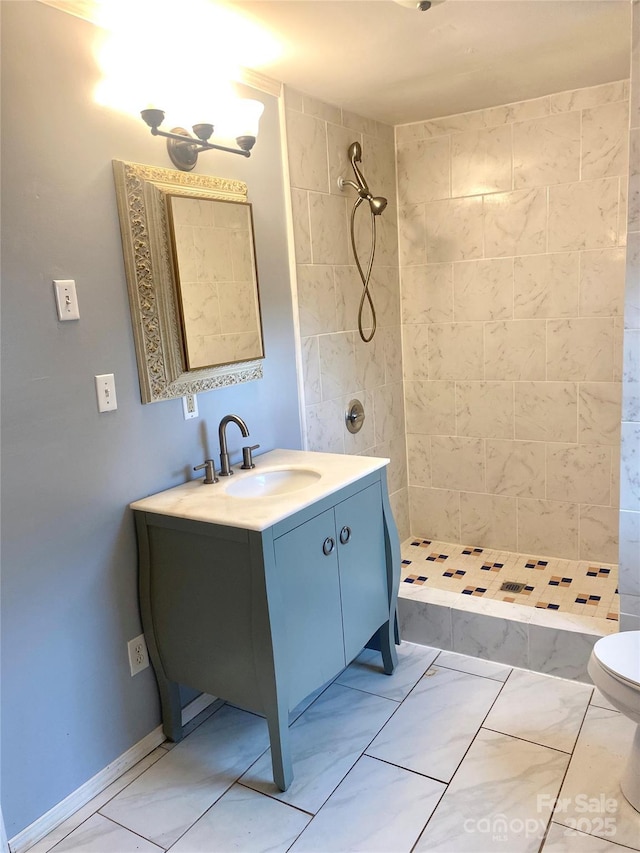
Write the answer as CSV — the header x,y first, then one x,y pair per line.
x,y
362,191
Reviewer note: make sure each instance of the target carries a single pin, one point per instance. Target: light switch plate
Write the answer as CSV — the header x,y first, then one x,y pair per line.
x,y
66,299
106,392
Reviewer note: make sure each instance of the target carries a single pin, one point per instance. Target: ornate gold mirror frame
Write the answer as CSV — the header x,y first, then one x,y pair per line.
x,y
142,193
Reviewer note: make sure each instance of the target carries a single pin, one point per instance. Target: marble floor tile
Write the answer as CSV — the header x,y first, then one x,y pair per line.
x,y
82,814
598,761
162,803
377,807
366,673
474,666
326,741
491,804
599,700
541,709
562,653
244,820
100,835
423,623
561,839
432,729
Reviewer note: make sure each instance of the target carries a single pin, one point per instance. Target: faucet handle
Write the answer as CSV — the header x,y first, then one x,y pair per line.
x,y
209,471
247,458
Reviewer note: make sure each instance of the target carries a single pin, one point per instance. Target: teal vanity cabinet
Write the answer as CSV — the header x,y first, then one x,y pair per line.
x,y
263,617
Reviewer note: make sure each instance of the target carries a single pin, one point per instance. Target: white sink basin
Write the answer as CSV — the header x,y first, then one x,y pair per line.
x,y
279,481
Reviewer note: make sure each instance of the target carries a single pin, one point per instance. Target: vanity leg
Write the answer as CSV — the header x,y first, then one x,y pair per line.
x,y
171,709
278,722
388,646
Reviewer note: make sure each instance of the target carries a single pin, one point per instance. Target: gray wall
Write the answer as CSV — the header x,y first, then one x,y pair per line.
x,y
69,570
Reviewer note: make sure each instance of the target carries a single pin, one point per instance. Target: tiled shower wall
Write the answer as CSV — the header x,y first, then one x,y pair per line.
x,y
630,469
337,365
512,236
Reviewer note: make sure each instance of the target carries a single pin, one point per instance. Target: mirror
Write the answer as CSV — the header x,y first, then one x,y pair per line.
x,y
191,273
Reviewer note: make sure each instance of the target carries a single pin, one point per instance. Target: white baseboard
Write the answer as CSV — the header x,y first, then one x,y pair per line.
x,y
92,787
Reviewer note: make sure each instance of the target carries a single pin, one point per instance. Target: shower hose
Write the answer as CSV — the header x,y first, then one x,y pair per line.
x,y
365,278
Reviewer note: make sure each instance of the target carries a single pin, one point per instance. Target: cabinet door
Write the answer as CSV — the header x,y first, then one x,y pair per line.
x,y
311,598
363,570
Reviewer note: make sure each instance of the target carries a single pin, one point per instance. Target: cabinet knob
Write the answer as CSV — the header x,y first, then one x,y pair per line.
x,y
345,535
327,546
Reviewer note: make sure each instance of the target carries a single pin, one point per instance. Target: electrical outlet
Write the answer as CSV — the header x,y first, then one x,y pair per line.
x,y
190,406
138,655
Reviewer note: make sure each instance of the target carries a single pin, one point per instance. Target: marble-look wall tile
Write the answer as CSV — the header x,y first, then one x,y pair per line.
x,y
419,460
488,521
425,624
457,463
427,293
516,468
631,376
396,451
602,282
546,411
579,473
519,111
599,413
635,67
515,350
605,141
546,150
456,351
481,161
453,230
415,352
483,290
325,427
633,202
391,337
307,142
618,339
400,509
311,370
629,581
320,109
385,288
388,401
632,286
328,217
369,362
599,533
301,228
548,527
546,285
515,223
361,124
485,409
412,235
379,165
580,349
435,513
489,637
431,408
424,170
593,96
583,215
615,476
387,237
316,300
337,365
348,289
630,467
561,653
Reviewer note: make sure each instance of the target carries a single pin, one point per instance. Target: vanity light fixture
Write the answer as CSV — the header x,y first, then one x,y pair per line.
x,y
183,148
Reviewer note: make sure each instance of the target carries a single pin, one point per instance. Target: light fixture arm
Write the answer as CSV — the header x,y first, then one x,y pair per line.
x,y
184,149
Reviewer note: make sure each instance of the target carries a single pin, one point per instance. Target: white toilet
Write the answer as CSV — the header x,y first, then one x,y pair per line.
x,y
614,668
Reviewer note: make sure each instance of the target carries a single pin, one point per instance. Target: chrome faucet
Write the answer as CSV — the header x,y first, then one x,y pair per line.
x,y
225,470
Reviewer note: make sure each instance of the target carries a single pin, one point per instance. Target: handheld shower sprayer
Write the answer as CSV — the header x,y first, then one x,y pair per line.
x,y
376,205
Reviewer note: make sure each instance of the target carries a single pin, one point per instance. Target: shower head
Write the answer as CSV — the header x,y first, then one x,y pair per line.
x,y
377,204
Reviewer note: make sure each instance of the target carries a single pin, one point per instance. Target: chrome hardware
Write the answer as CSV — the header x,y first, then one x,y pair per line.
x,y
327,546
354,418
247,458
345,535
209,471
225,468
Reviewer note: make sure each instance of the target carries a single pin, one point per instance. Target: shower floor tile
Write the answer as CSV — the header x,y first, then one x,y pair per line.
x,y
580,587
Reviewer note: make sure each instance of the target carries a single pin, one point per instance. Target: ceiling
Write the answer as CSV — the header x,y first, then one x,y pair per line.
x,y
397,64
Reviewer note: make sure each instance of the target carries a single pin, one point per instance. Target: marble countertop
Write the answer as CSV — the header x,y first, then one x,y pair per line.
x,y
213,503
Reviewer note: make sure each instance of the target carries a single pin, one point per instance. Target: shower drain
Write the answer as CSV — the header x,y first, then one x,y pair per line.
x,y
511,586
